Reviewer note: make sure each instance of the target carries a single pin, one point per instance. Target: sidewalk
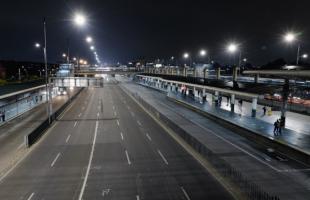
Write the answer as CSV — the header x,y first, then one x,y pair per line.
x,y
300,141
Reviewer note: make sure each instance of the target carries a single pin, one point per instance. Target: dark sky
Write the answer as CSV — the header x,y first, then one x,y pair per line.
x,y
125,30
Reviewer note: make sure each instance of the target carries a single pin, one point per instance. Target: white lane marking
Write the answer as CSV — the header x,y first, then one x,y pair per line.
x,y
241,149
138,197
117,122
114,113
128,107
139,123
54,161
162,156
20,146
149,137
122,136
98,114
113,107
68,138
185,193
30,197
75,124
132,113
128,160
89,163
80,114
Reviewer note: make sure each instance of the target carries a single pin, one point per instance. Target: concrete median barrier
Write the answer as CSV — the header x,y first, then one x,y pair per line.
x,y
37,133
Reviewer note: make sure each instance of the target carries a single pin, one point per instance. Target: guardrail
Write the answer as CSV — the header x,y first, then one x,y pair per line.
x,y
247,188
31,138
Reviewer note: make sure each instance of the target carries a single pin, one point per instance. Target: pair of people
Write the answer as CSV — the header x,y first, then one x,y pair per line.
x,y
277,127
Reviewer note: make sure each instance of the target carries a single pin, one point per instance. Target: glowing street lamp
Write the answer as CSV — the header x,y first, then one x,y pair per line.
x,y
92,48
89,39
202,53
186,55
290,38
37,45
81,61
64,55
304,56
232,48
79,19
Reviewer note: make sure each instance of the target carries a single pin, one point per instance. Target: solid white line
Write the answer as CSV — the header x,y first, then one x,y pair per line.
x,y
185,193
68,138
138,197
241,149
117,122
54,161
89,163
139,123
30,197
20,146
162,156
128,160
75,124
122,136
148,137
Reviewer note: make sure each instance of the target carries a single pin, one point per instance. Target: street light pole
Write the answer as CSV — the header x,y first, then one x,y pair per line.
x,y
298,54
47,86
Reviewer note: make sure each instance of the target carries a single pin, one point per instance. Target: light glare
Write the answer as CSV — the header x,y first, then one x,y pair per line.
x,y
79,19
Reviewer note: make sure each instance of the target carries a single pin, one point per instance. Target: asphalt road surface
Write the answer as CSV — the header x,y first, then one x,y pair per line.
x,y
106,147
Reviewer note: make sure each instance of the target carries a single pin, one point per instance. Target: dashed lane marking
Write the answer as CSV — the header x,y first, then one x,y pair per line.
x,y
163,157
67,140
54,161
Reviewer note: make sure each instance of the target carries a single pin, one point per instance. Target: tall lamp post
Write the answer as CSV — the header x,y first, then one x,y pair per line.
x,y
232,49
290,38
187,56
79,20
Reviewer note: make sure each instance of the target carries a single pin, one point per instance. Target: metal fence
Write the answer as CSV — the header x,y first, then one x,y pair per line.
x,y
249,189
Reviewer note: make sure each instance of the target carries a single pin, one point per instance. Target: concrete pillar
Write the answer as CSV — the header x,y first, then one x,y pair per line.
x,y
232,103
172,87
254,106
218,73
205,73
195,93
235,73
184,72
216,97
285,93
256,78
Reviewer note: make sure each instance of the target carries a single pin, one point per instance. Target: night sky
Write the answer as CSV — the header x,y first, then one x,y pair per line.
x,y
130,29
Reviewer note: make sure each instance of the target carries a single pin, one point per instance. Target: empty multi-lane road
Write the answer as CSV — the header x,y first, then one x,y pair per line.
x,y
106,147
